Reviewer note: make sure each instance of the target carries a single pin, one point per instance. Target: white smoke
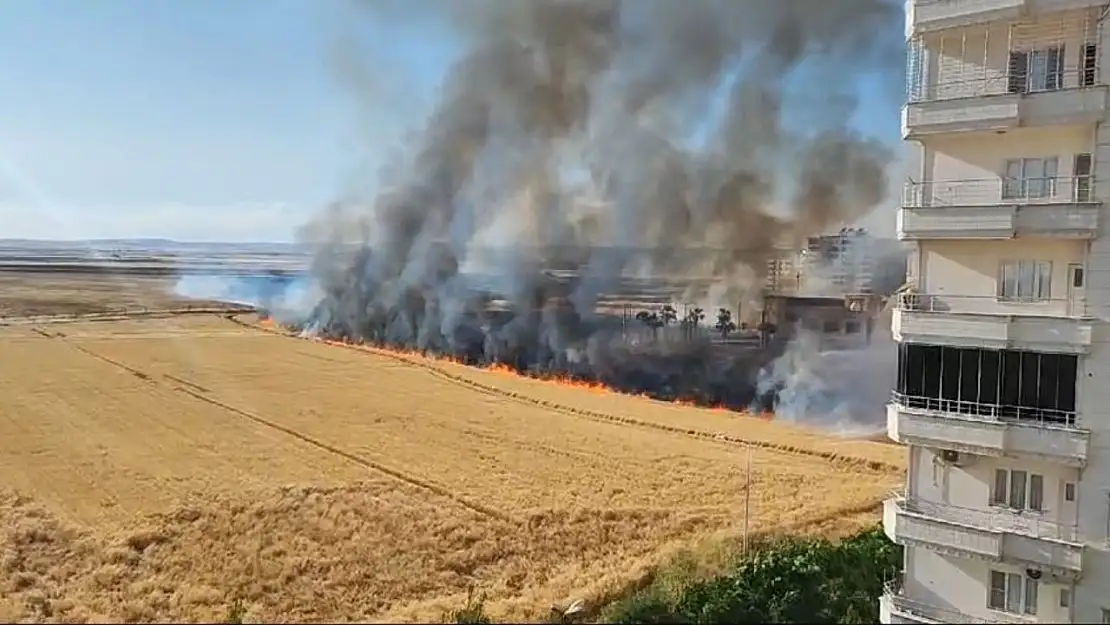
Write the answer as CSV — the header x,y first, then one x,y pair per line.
x,y
288,300
842,390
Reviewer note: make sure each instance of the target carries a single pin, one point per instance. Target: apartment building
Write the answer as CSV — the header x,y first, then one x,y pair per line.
x,y
1003,391
829,265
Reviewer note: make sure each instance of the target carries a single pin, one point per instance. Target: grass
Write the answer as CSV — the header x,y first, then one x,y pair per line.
x,y
173,468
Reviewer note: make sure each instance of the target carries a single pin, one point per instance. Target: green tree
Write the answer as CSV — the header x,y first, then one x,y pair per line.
x,y
793,580
725,325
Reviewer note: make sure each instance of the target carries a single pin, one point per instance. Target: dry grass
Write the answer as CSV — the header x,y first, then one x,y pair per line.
x,y
177,465
61,293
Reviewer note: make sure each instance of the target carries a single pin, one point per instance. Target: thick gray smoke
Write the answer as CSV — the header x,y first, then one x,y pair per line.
x,y
693,138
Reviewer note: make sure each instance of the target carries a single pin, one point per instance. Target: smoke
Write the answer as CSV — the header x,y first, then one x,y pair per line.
x,y
686,141
288,299
844,390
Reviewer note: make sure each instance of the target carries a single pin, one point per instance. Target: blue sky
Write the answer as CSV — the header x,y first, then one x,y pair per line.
x,y
205,119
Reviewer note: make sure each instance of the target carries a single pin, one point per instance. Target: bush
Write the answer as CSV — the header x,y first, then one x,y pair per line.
x,y
793,580
473,613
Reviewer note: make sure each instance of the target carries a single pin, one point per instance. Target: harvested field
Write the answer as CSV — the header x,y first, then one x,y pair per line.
x,y
160,469
64,293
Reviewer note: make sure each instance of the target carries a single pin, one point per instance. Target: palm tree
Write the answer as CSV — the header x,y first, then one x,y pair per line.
x,y
691,321
725,324
668,314
651,320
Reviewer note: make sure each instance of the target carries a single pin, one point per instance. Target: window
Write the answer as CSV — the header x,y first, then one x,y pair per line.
x,y
1025,281
1105,615
851,327
1069,491
1077,277
1012,592
1036,70
1002,384
1090,65
1036,492
1019,490
1082,172
1065,597
1030,178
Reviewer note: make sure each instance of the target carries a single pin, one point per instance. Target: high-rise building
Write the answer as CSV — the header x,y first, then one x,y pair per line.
x,y
1003,391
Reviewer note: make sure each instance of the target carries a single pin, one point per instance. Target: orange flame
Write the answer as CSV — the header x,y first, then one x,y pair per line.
x,y
561,380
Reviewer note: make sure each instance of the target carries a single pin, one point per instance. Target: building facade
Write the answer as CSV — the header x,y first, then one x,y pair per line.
x,y
1003,391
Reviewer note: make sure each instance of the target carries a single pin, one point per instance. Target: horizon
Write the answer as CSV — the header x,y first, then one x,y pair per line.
x,y
172,120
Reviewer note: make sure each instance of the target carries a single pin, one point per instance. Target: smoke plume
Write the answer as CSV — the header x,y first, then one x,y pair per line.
x,y
575,143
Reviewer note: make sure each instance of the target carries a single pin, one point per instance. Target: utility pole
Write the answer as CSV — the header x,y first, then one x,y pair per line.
x,y
747,499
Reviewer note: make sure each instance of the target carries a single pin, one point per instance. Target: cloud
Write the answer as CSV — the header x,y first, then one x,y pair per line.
x,y
249,222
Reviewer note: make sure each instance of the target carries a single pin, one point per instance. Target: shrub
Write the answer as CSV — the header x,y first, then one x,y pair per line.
x,y
793,580
473,613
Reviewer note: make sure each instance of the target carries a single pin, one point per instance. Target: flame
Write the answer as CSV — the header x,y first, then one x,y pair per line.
x,y
560,380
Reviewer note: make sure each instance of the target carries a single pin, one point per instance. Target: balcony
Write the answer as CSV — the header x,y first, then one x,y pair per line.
x,y
999,208
896,607
987,429
931,15
991,322
996,103
990,534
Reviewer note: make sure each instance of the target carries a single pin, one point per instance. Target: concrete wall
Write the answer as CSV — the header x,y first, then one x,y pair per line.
x,y
971,268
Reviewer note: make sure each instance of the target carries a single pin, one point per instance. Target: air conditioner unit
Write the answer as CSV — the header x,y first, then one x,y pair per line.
x,y
955,458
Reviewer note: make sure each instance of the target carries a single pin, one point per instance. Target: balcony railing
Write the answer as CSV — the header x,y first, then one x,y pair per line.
x,y
994,83
1016,305
999,191
893,593
1026,522
1001,413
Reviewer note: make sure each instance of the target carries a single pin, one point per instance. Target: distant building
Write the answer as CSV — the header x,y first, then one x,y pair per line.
x,y
850,262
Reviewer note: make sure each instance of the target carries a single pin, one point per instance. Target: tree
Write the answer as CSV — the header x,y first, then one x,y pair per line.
x,y
651,320
668,315
725,324
793,580
693,319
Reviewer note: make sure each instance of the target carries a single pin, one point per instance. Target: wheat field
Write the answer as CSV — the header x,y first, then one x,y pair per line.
x,y
164,469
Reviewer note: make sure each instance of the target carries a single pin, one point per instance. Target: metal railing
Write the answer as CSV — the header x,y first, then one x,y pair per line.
x,y
999,192
1017,306
997,81
893,592
995,519
1001,413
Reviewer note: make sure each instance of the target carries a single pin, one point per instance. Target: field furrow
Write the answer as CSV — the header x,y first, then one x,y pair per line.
x,y
253,461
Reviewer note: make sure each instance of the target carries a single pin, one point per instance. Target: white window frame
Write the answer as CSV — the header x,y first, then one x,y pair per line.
x,y
1007,493
1018,593
1030,178
1025,280
1043,68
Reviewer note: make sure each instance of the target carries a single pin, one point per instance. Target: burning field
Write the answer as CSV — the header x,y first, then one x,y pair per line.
x,y
165,471
349,462
576,145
